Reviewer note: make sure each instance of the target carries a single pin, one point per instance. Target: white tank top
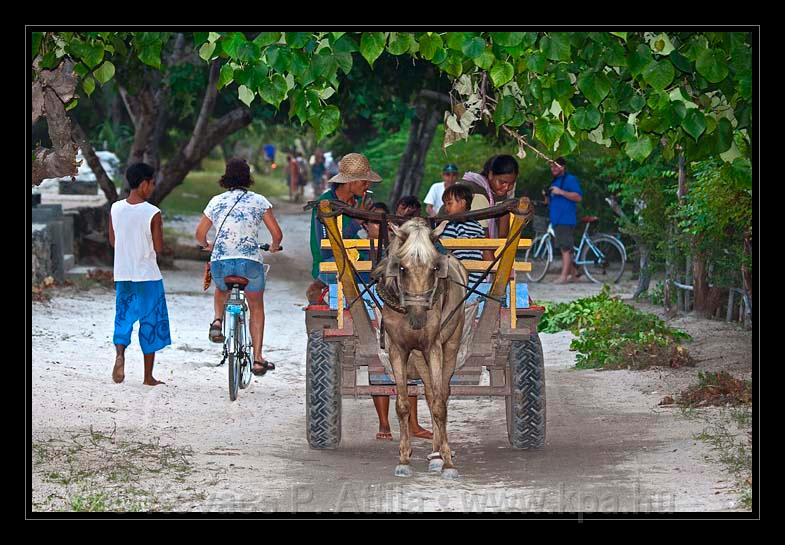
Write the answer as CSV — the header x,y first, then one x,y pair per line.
x,y
134,255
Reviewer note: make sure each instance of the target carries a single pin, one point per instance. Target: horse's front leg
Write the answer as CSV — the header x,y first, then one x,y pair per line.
x,y
435,359
398,359
434,459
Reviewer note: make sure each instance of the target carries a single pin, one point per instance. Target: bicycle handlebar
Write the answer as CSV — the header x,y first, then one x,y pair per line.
x,y
264,247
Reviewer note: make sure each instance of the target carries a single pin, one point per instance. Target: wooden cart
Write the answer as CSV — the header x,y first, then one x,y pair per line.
x,y
342,341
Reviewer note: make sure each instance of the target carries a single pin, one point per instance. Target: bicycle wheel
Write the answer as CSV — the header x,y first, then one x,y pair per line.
x,y
540,255
603,260
245,365
234,356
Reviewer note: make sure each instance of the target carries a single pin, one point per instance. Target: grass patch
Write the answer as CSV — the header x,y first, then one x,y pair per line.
x,y
200,186
100,472
730,439
614,335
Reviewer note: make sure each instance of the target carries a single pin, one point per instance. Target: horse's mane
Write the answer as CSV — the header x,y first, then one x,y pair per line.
x,y
417,248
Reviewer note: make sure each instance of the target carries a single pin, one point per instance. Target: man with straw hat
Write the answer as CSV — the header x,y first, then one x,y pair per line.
x,y
350,185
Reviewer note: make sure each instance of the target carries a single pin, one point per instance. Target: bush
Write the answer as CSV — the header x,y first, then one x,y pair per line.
x,y
612,334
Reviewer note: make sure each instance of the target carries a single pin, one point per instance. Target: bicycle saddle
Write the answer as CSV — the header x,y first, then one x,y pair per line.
x,y
239,280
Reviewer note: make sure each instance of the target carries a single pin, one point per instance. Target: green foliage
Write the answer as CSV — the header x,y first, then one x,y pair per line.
x,y
611,334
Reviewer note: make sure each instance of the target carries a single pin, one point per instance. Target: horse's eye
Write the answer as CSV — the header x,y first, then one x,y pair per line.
x,y
403,269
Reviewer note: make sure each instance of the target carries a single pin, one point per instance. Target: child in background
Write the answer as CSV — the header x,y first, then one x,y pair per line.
x,y
458,198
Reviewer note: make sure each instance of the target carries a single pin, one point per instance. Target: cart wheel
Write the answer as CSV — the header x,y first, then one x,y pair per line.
x,y
323,392
526,405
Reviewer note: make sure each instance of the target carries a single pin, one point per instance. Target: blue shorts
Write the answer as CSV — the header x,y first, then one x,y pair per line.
x,y
143,302
247,268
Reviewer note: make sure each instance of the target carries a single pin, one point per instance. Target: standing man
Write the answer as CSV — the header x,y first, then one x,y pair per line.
x,y
433,199
565,193
136,233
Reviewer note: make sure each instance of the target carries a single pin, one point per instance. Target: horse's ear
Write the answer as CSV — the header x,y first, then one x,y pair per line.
x,y
436,233
396,231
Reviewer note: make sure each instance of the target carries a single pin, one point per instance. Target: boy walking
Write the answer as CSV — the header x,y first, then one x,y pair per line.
x,y
136,233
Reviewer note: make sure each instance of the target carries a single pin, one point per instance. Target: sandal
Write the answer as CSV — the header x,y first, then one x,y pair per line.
x,y
265,366
216,331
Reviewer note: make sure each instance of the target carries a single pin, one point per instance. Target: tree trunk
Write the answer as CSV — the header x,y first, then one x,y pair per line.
x,y
104,182
700,283
644,278
412,166
746,276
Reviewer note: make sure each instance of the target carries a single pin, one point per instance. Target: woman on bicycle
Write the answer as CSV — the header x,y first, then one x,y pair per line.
x,y
238,215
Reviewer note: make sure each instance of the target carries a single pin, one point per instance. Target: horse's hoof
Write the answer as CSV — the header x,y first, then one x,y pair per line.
x,y
436,465
402,470
451,473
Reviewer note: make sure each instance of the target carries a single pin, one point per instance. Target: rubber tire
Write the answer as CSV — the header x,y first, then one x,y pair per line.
x,y
526,415
322,392
234,365
615,242
549,253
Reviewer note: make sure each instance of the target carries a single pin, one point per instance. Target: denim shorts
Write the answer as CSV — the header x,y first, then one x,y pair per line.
x,y
247,268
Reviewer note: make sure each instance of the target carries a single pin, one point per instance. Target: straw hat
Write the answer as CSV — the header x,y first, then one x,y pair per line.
x,y
354,167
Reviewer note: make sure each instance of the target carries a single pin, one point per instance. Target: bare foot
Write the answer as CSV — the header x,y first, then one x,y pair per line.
x,y
384,436
562,281
152,382
422,433
118,373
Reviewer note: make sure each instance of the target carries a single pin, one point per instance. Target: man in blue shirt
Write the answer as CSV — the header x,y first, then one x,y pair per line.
x,y
565,193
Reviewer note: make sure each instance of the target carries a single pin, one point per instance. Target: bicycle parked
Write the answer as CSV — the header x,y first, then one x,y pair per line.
x,y
602,256
237,347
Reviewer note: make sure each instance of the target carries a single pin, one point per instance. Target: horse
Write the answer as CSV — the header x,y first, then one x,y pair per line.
x,y
421,288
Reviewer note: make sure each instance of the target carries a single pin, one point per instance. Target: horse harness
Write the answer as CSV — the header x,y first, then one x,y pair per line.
x,y
404,298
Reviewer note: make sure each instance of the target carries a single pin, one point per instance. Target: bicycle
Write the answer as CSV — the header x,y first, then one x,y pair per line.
x,y
237,347
602,256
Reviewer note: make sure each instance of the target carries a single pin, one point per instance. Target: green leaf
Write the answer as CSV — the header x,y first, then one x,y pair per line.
x,y
324,66
659,74
81,70
536,62
586,118
71,105
91,55
88,84
694,123
226,76
453,64
624,132
724,135
37,37
246,95
440,56
274,90
473,47
299,64
567,144
231,44
486,60
455,40
501,73
548,131
640,149
105,72
345,45
337,35
151,56
263,39
429,45
622,35
249,52
199,38
372,45
505,110
213,37
712,64
639,60
636,103
344,61
280,58
681,62
329,121
508,39
594,86
297,40
556,47
399,43
206,51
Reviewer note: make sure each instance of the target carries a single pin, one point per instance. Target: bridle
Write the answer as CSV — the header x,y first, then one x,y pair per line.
x,y
405,298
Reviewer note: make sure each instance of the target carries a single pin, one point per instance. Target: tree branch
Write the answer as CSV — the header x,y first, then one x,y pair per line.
x,y
208,103
106,184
